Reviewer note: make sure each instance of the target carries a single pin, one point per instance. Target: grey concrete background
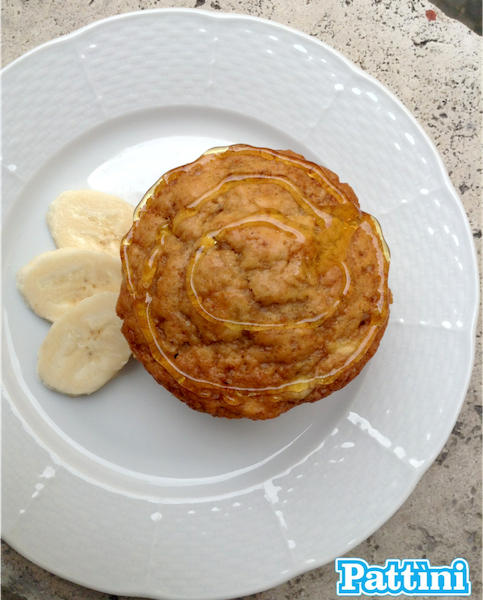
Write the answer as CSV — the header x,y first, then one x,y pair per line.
x,y
433,64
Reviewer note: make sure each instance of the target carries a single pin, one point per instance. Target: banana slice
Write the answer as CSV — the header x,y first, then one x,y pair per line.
x,y
84,348
89,219
55,281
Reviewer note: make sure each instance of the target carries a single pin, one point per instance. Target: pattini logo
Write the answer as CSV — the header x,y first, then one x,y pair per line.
x,y
407,577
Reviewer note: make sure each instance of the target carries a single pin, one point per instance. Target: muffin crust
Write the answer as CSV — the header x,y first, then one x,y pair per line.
x,y
253,282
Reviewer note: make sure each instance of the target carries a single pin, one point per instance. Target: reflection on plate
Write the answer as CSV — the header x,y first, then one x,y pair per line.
x,y
131,492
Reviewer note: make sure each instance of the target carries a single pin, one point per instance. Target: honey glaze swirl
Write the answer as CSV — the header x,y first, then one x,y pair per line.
x,y
255,272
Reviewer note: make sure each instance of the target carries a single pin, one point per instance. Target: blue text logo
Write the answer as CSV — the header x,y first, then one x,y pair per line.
x,y
409,577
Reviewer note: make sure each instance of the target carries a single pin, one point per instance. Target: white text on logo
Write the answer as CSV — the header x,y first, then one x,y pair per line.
x,y
409,577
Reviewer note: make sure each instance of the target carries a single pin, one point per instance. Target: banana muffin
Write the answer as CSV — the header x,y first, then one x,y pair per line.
x,y
253,282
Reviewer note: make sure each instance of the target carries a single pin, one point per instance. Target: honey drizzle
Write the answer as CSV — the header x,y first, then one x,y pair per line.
x,y
208,242
314,171
228,183
351,212
298,385
365,226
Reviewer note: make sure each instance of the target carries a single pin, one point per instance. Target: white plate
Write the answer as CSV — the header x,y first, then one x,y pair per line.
x,y
131,492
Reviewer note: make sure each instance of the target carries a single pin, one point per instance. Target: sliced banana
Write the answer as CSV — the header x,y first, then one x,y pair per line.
x,y
84,348
55,281
89,219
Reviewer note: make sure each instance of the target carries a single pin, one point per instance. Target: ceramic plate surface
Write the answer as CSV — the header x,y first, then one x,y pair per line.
x,y
129,491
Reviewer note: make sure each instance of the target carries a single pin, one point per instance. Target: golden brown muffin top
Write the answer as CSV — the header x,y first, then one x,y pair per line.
x,y
255,272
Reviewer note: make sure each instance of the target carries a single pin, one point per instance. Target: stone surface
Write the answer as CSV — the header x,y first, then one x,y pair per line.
x,y
433,66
